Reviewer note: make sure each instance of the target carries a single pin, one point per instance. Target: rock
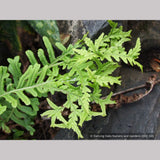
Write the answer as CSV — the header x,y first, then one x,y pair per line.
x,y
77,28
148,31
73,27
149,34
65,134
95,28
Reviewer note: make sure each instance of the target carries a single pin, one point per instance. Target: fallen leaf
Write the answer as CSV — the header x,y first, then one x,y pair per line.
x,y
64,38
155,64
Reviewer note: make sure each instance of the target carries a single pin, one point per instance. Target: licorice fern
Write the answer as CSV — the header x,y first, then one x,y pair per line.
x,y
89,67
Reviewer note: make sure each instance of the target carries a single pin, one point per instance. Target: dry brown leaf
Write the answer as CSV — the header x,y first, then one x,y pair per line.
x,y
155,64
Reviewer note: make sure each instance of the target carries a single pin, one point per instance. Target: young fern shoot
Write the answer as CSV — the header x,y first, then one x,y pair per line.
x,y
90,65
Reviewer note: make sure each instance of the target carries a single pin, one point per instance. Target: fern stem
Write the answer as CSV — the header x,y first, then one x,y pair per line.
x,y
54,63
25,88
35,86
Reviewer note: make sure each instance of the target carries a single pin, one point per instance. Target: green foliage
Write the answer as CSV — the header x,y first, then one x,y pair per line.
x,y
8,34
90,66
46,28
17,134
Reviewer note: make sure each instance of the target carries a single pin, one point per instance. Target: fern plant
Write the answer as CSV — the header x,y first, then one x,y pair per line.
x,y
90,66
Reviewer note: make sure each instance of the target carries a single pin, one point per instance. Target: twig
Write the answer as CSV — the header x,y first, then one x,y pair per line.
x,y
120,98
131,89
128,90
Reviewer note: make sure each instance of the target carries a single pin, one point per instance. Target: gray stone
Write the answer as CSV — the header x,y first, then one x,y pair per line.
x,y
96,27
73,27
77,28
65,134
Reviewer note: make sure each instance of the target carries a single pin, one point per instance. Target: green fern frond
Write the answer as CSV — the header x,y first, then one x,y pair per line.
x,y
2,109
89,65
